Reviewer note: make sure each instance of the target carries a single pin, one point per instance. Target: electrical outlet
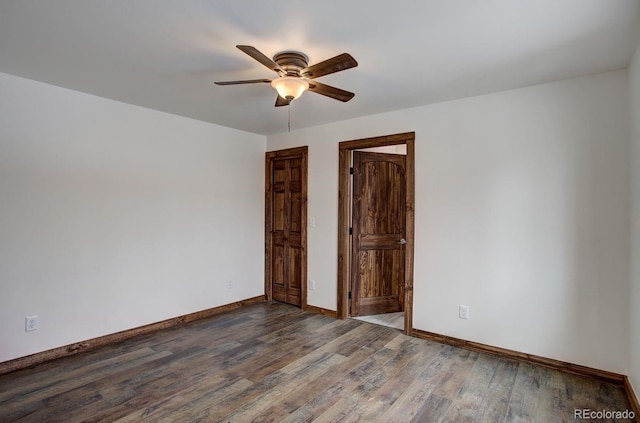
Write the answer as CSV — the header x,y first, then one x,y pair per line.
x,y
312,285
30,323
463,312
230,284
312,222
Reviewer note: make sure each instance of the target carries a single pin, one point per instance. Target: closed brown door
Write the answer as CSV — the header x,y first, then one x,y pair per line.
x,y
287,235
377,266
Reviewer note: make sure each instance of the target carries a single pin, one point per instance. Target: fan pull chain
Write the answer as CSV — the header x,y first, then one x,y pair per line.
x,y
289,121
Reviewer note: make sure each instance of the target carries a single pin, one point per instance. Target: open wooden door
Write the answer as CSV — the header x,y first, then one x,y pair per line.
x,y
286,216
378,221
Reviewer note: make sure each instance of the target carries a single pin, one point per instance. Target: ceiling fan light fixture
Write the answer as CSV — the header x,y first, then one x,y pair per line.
x,y
290,87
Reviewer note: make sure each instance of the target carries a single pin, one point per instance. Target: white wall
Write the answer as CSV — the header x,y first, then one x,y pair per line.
x,y
113,216
634,297
388,149
522,213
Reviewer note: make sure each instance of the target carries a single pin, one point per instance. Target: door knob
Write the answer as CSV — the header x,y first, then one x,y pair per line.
x,y
402,241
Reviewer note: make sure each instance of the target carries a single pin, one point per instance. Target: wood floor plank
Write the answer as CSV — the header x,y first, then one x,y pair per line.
x,y
390,383
496,397
343,384
548,395
467,405
330,387
272,362
403,377
287,353
228,405
309,369
434,409
524,395
200,406
65,403
461,363
79,378
418,392
19,386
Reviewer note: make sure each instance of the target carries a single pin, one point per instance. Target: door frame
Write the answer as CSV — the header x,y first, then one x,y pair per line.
x,y
344,209
270,156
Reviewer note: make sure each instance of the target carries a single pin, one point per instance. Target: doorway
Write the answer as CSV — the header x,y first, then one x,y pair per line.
x,y
285,226
375,250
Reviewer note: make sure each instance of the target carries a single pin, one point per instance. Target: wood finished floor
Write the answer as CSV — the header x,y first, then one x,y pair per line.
x,y
276,363
391,320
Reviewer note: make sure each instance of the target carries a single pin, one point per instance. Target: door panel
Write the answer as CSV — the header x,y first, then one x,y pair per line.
x,y
378,231
295,190
278,272
286,243
295,284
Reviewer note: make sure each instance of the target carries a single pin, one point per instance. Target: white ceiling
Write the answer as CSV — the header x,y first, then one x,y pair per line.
x,y
165,54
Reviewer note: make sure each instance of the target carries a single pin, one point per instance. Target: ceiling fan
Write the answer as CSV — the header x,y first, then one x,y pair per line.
x,y
295,76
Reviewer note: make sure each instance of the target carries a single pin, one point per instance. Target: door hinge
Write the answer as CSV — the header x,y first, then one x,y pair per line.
x,y
350,231
350,171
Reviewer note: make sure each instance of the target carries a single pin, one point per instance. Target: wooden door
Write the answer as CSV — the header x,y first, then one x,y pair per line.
x,y
286,242
378,221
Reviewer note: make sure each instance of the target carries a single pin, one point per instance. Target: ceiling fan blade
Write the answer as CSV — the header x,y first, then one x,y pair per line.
x,y
246,81
256,54
330,91
282,101
335,64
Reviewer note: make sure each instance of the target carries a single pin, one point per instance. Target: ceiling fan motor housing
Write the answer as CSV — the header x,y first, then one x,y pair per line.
x,y
292,62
